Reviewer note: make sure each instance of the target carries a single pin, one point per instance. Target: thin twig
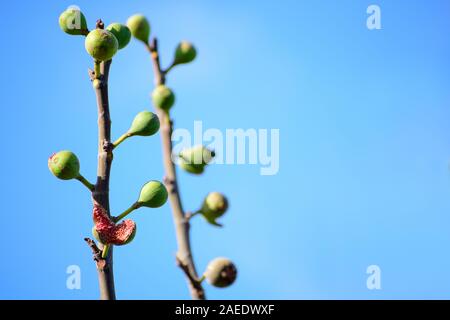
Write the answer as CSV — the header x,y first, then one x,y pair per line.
x,y
184,255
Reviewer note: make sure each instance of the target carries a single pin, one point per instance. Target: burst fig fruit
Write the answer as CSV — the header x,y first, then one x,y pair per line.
x,y
184,53
139,27
107,232
121,32
214,206
153,195
145,123
64,165
221,272
101,44
73,22
163,97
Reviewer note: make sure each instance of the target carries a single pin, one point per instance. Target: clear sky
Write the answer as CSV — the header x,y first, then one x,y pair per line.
x,y
364,121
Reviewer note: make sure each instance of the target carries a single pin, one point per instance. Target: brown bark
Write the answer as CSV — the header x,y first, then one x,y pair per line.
x,y
184,255
100,195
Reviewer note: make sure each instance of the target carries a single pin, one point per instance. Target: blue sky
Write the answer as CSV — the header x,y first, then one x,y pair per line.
x,y
364,148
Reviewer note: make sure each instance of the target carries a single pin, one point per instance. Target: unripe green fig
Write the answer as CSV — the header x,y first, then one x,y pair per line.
x,y
145,123
221,272
64,165
214,206
139,27
197,155
101,44
121,32
153,194
194,159
72,21
184,53
192,168
163,97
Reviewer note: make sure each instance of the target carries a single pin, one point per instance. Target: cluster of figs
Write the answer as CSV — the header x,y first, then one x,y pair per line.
x,y
102,45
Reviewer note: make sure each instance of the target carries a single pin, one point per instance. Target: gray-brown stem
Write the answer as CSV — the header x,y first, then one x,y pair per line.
x,y
184,255
100,196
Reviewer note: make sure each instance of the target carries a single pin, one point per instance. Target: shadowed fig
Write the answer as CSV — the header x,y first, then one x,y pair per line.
x,y
121,32
184,53
214,206
163,97
221,272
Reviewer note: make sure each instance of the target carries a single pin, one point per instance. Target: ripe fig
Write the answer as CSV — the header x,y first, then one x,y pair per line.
x,y
107,232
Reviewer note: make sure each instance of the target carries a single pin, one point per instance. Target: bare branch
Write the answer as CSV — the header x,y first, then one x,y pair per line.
x,y
170,180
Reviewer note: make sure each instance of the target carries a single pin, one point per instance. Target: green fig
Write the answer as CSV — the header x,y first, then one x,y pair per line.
x,y
153,195
139,27
101,44
192,168
72,21
121,32
184,53
221,272
145,123
163,97
197,155
214,206
64,165
195,159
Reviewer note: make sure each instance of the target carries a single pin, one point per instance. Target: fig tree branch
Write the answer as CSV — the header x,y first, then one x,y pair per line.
x,y
184,255
100,195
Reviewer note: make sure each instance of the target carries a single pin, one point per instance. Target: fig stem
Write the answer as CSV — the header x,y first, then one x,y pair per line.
x,y
97,71
169,68
133,207
100,197
190,215
202,279
121,139
86,183
105,251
